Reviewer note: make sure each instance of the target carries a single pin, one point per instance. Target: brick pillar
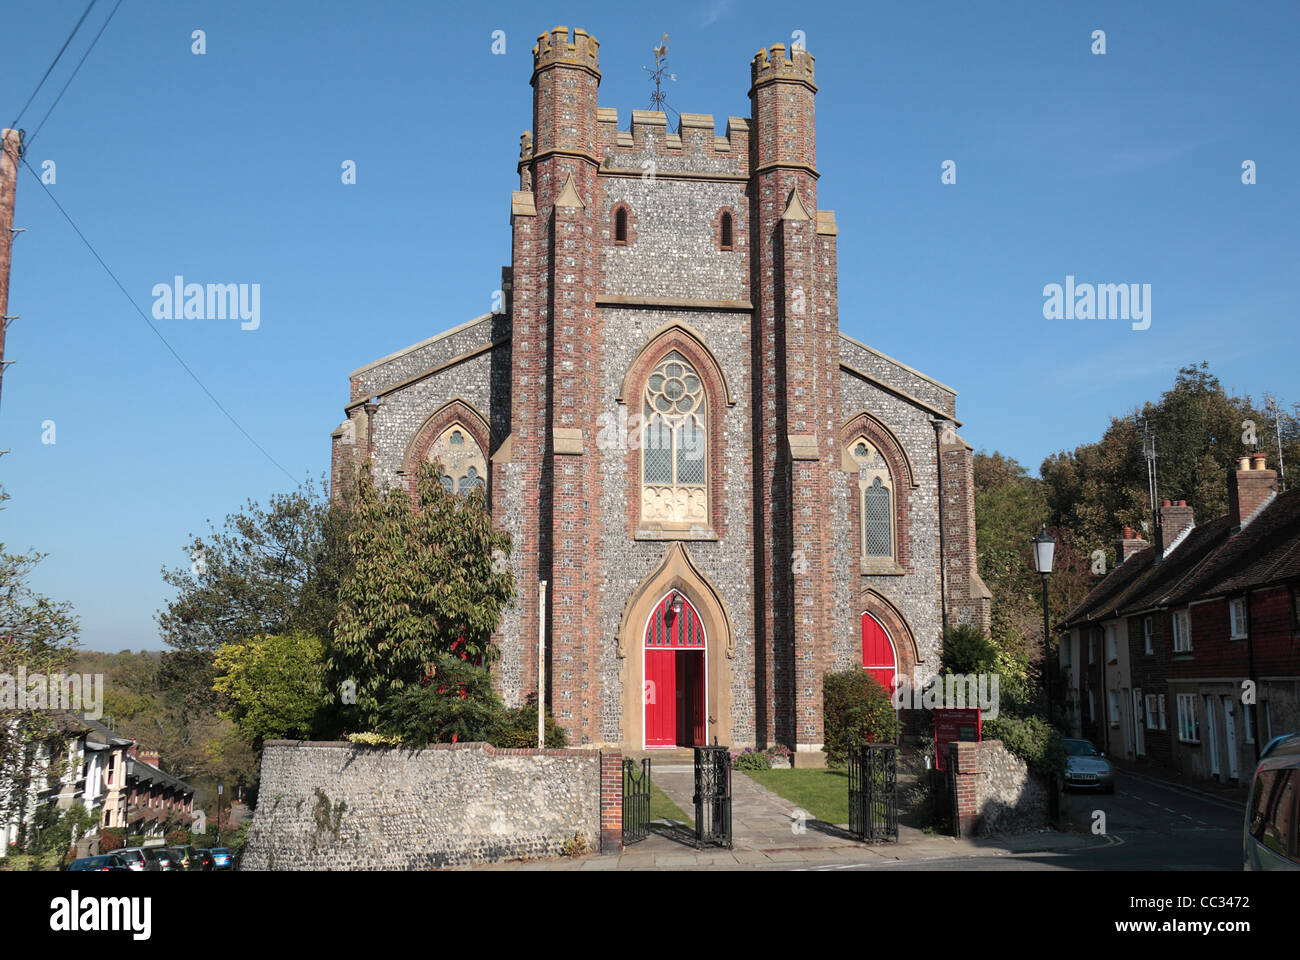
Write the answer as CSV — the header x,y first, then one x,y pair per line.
x,y
964,768
555,356
796,376
611,802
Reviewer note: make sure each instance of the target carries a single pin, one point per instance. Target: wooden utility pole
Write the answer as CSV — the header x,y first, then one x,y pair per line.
x,y
9,156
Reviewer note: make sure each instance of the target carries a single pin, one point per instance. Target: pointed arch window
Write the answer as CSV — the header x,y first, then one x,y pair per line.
x,y
876,502
726,231
620,225
674,445
462,463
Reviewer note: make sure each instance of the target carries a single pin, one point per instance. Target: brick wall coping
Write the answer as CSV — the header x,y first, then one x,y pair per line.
x,y
476,745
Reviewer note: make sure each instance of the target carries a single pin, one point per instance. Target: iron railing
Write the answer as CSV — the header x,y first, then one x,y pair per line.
x,y
713,796
636,800
873,792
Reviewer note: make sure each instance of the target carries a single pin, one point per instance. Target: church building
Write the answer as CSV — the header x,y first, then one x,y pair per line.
x,y
725,496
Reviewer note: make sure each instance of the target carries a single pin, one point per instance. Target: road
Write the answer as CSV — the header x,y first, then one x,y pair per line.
x,y
1148,826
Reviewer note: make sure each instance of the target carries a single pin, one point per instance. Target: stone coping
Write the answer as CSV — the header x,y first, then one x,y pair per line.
x,y
474,745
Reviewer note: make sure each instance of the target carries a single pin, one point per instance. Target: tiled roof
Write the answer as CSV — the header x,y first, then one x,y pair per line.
x,y
1212,560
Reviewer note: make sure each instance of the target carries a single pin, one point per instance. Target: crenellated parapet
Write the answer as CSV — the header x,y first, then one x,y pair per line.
x,y
694,146
772,65
555,48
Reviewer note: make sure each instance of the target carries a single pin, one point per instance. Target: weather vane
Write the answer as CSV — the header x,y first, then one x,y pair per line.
x,y
659,99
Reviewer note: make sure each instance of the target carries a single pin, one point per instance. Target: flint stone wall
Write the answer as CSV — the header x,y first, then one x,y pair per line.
x,y
340,806
995,790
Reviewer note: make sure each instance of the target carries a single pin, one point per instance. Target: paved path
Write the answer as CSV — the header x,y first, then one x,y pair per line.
x,y
768,833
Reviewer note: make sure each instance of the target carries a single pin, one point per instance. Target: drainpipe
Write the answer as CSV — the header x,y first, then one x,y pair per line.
x,y
541,664
943,551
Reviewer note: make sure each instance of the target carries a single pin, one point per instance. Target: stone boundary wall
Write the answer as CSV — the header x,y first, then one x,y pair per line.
x,y
994,790
339,806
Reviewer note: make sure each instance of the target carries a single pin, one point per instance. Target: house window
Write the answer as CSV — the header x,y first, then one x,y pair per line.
x,y
1092,706
1153,712
461,462
620,226
726,232
1237,618
1188,728
1112,707
1148,625
1092,646
1182,632
1112,651
1248,711
674,458
876,499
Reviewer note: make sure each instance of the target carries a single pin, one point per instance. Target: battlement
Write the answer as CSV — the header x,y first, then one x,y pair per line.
x,y
648,131
555,48
772,65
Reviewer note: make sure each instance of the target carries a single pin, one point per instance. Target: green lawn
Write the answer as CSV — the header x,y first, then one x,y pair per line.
x,y
661,808
823,793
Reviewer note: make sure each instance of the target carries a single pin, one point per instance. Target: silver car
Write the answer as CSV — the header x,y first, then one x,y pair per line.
x,y
1271,839
1085,767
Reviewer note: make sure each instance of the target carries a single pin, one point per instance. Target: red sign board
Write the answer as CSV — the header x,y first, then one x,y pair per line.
x,y
954,725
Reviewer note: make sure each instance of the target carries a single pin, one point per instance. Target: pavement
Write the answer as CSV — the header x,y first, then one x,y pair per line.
x,y
1236,793
770,833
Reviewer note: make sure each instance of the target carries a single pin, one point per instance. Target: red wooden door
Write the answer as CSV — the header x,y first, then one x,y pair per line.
x,y
674,676
660,698
878,652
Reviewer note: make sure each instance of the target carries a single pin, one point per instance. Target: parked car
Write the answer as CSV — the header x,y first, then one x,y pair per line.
x,y
140,859
1271,839
202,859
222,859
1085,767
111,862
166,859
184,856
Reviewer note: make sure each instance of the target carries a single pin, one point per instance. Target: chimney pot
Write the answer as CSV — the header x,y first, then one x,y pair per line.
x,y
1182,503
1167,503
1259,461
1243,463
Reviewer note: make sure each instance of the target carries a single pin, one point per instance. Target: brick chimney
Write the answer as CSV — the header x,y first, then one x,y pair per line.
x,y
1250,486
1176,518
1128,544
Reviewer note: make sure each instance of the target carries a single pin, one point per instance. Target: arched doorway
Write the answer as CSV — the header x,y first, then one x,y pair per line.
x,y
676,665
879,655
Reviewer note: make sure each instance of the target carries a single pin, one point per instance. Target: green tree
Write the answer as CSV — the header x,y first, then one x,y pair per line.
x,y
273,685
271,570
425,578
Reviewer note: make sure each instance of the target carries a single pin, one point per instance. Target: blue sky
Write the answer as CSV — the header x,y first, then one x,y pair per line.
x,y
1119,168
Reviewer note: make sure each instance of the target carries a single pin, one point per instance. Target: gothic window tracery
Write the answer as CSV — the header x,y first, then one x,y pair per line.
x,y
463,465
876,501
674,457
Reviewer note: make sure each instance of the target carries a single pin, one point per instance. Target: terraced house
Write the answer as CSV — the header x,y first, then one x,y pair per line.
x,y
1188,653
724,495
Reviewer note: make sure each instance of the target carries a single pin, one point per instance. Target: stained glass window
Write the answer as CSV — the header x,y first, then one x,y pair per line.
x,y
876,489
463,465
674,454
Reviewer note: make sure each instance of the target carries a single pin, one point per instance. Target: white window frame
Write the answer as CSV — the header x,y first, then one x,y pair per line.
x,y
1152,711
1092,646
1112,646
1248,722
1182,630
1148,628
1164,719
1112,707
1237,616
1188,723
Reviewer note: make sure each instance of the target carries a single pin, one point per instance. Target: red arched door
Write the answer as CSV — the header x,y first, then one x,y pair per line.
x,y
878,656
674,675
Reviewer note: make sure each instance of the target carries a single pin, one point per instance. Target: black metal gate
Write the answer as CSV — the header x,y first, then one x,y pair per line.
x,y
873,795
713,796
636,800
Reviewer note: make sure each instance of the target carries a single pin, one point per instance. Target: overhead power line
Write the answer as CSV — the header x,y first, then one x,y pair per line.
x,y
50,69
158,333
73,75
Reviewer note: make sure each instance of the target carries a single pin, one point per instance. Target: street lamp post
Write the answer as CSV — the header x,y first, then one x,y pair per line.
x,y
1044,552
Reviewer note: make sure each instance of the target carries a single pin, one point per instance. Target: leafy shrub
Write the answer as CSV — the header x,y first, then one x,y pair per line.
x,y
111,838
1032,740
751,759
858,710
458,705
179,837
372,739
967,650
